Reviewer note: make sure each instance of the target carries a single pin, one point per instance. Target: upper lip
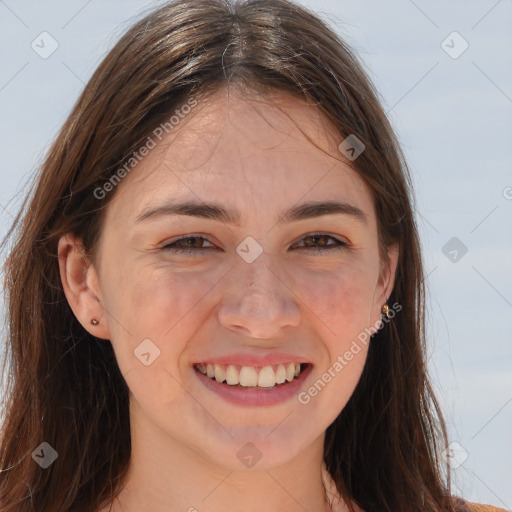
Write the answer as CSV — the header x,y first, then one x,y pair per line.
x,y
253,360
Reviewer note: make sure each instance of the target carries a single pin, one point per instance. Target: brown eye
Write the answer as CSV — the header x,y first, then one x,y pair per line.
x,y
319,241
186,244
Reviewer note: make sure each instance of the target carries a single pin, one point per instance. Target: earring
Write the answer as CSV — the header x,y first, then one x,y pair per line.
x,y
385,310
94,321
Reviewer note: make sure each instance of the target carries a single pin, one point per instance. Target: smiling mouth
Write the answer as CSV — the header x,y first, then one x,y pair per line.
x,y
265,377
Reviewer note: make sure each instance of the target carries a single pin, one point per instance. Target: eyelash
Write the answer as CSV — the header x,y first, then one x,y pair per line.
x,y
169,247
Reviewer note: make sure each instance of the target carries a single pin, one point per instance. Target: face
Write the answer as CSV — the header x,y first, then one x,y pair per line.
x,y
261,284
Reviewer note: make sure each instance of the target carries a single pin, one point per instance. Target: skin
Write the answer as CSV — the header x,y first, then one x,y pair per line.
x,y
245,153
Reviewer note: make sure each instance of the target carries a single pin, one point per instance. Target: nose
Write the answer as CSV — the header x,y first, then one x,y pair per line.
x,y
260,301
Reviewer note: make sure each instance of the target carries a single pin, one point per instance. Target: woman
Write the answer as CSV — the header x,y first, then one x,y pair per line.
x,y
216,292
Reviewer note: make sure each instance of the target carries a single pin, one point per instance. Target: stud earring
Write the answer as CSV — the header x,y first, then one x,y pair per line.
x,y
385,310
94,321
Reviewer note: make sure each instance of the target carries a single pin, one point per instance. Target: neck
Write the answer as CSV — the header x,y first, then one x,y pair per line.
x,y
166,476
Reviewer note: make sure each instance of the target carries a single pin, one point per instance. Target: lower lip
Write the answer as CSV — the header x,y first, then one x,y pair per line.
x,y
255,397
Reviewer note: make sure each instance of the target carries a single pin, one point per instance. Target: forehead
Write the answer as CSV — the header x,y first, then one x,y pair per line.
x,y
248,150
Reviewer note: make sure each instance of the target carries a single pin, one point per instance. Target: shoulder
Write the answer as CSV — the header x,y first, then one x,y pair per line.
x,y
462,505
478,507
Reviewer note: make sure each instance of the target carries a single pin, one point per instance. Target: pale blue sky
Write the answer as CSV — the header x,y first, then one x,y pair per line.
x,y
454,119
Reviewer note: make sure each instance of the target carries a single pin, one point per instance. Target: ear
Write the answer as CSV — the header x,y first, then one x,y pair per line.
x,y
385,284
81,286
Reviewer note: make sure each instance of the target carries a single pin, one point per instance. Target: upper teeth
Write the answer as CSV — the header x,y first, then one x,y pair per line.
x,y
267,377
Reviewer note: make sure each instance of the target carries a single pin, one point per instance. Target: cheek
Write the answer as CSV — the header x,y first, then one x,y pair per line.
x,y
154,300
161,306
340,298
340,302
154,303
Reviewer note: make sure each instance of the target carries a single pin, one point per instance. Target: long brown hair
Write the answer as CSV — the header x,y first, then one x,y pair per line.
x,y
64,385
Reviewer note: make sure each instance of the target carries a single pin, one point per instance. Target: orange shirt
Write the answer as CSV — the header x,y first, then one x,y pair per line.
x,y
477,507
334,498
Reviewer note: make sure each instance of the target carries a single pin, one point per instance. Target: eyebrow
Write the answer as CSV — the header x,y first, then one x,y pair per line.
x,y
229,216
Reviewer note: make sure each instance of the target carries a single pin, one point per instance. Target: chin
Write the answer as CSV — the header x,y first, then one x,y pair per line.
x,y
257,449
